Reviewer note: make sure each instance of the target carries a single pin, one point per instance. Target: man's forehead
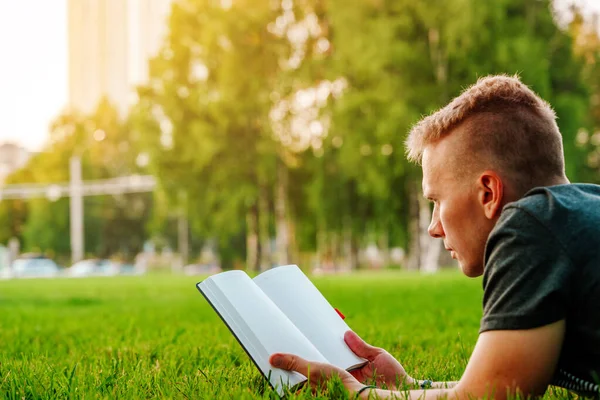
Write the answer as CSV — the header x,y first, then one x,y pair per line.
x,y
437,164
430,173
430,163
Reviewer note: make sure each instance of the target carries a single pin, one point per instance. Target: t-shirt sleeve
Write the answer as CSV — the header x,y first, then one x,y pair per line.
x,y
526,274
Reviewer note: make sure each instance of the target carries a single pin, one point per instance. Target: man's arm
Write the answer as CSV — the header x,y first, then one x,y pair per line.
x,y
502,363
524,359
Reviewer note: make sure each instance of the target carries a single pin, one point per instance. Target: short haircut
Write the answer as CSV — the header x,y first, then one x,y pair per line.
x,y
506,126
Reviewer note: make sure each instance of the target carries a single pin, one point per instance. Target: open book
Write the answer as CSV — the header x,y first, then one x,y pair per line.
x,y
280,310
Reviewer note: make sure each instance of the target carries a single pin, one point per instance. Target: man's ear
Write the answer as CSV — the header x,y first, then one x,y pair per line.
x,y
491,193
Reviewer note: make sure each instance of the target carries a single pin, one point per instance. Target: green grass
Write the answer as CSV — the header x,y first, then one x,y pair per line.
x,y
156,336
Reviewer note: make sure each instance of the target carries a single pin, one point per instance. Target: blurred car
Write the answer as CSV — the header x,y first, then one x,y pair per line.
x,y
127,269
93,267
201,269
34,267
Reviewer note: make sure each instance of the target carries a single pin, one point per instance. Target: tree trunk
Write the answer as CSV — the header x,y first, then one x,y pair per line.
x,y
264,231
432,259
430,247
439,59
321,247
251,239
281,219
350,262
384,248
293,252
354,252
424,251
183,239
414,247
335,245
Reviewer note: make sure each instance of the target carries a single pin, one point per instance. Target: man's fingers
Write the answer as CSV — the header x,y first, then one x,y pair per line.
x,y
312,370
360,347
289,362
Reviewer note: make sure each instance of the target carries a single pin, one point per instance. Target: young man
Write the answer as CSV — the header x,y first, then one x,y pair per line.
x,y
493,166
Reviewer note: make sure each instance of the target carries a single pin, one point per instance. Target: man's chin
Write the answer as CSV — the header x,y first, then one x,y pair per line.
x,y
472,271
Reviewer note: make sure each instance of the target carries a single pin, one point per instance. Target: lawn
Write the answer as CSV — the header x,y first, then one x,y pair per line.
x,y
156,337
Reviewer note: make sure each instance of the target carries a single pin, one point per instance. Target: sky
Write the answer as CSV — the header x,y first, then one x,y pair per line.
x,y
34,67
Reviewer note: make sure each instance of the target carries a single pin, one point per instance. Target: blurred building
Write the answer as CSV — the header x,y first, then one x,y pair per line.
x,y
12,157
97,53
110,43
148,29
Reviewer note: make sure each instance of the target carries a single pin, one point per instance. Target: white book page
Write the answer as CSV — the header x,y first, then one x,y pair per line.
x,y
258,324
306,307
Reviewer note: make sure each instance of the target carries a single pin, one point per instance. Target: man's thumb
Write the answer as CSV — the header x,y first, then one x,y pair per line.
x,y
289,362
360,347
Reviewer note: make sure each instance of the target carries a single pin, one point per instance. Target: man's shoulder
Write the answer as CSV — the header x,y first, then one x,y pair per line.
x,y
563,217
558,204
553,216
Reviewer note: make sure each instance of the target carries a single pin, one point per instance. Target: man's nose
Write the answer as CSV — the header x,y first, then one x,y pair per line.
x,y
435,228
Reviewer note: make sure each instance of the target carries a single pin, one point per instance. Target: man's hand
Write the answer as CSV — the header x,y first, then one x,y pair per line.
x,y
382,367
317,373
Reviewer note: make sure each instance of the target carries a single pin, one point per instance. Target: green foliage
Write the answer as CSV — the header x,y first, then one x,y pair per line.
x,y
402,60
44,221
113,224
220,117
587,142
156,336
207,108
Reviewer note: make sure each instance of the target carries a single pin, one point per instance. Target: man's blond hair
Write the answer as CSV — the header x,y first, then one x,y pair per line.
x,y
506,126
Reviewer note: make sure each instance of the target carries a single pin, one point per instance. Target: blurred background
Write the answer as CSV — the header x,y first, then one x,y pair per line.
x,y
191,136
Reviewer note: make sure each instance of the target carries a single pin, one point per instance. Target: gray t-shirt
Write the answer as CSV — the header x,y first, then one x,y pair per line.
x,y
542,265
